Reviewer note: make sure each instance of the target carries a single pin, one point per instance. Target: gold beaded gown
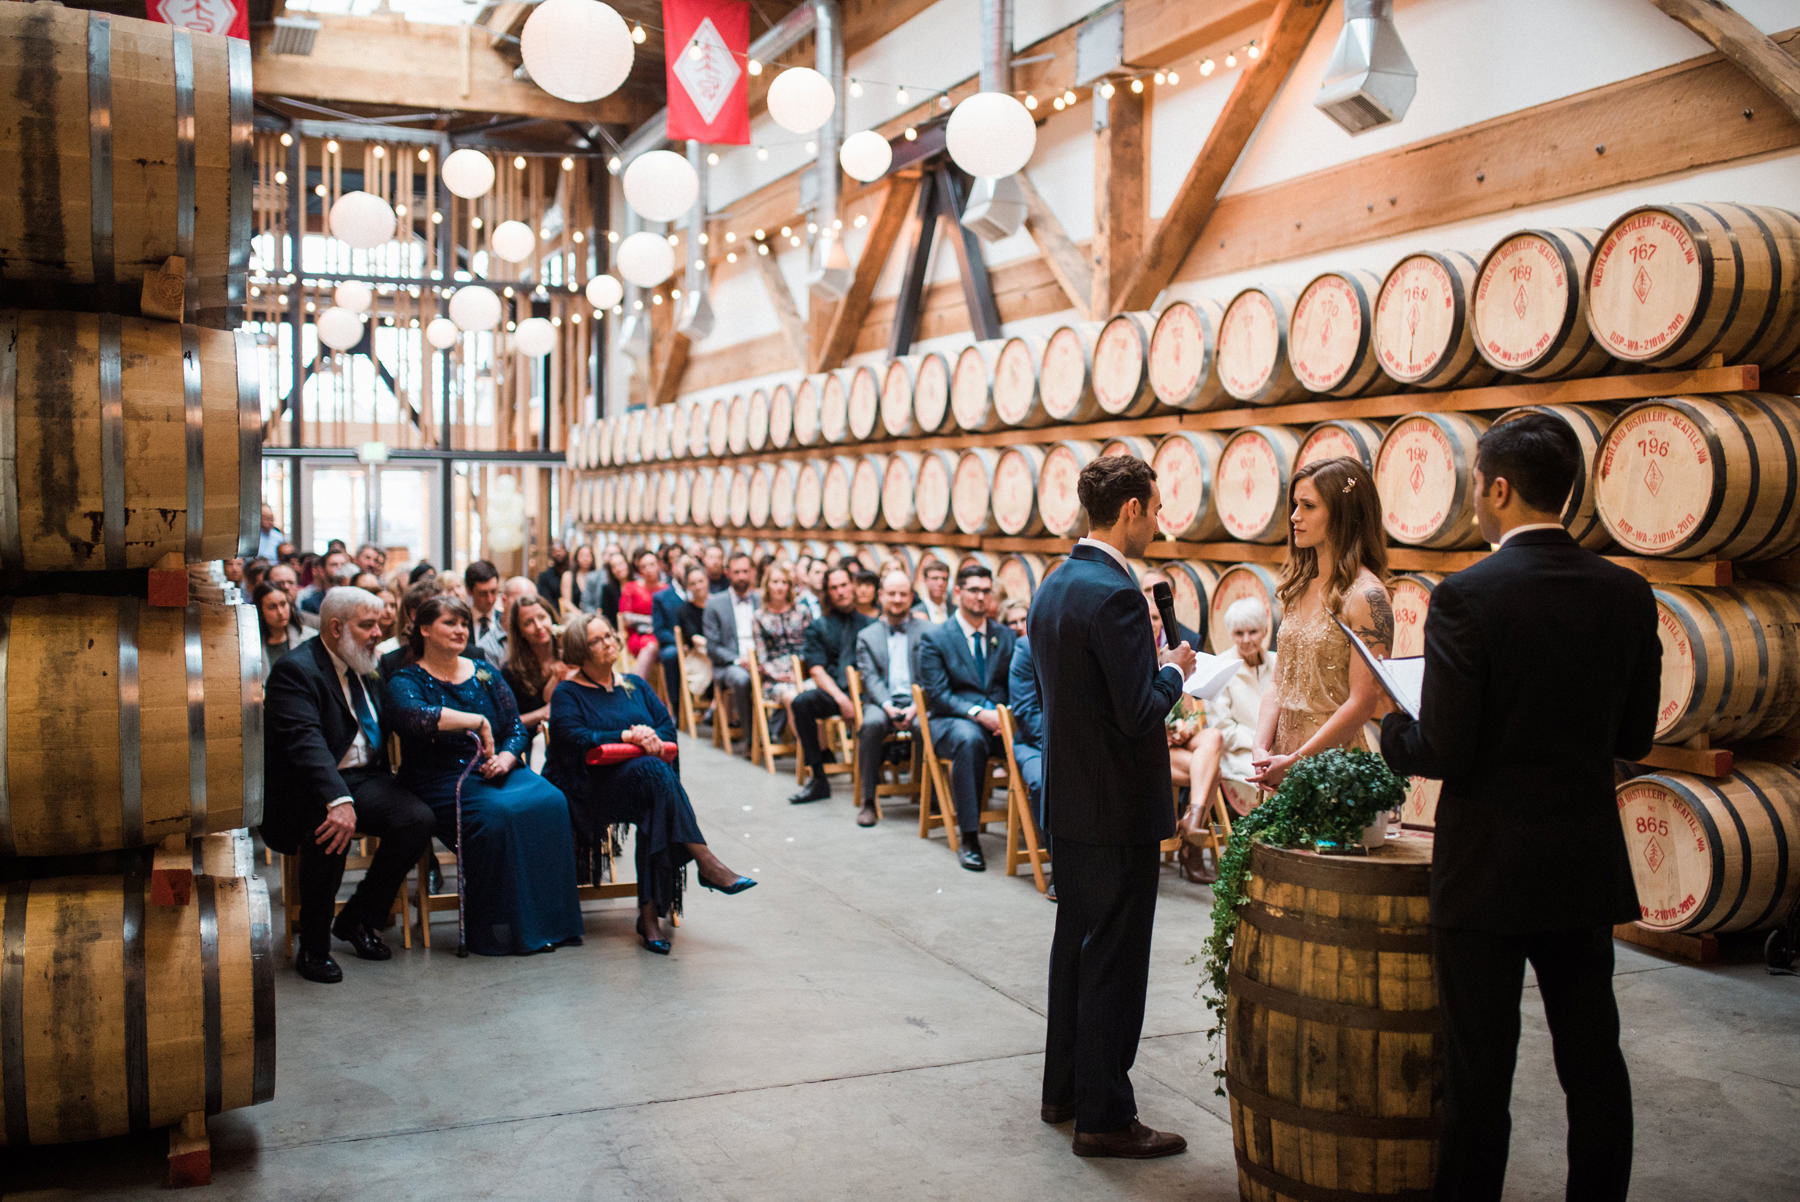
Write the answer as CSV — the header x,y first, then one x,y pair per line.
x,y
1312,679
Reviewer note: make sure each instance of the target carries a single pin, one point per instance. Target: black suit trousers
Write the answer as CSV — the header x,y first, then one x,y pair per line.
x,y
402,822
809,709
1099,969
1480,979
966,746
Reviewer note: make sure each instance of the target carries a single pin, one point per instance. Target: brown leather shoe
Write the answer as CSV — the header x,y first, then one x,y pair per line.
x,y
1055,1115
1194,866
866,816
1136,1142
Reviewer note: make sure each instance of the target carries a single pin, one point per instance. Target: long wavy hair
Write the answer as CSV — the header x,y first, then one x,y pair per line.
x,y
1352,529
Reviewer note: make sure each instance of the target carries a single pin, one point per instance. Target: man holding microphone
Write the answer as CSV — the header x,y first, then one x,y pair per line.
x,y
1109,804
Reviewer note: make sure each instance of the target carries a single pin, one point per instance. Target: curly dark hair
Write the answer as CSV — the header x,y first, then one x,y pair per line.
x,y
1108,482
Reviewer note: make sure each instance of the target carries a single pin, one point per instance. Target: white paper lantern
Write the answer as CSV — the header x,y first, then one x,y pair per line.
x,y
801,100
468,173
646,259
576,50
661,185
353,295
866,156
535,337
475,308
362,220
505,520
339,329
442,333
513,241
991,135
604,291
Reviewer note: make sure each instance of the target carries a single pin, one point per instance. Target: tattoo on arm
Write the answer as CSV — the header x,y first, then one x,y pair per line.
x,y
1379,632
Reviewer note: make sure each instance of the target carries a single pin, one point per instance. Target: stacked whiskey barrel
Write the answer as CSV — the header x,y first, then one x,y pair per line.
x,y
136,986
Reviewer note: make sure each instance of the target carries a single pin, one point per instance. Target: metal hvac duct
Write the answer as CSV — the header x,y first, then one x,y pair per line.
x,y
996,207
1370,80
827,273
634,330
696,320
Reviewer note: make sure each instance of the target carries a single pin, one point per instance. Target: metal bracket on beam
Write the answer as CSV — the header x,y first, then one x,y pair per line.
x,y
1100,44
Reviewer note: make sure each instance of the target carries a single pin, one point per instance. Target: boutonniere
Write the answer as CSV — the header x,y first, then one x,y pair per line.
x,y
484,674
626,685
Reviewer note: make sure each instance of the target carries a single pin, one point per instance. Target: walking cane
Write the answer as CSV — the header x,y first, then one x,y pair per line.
x,y
462,931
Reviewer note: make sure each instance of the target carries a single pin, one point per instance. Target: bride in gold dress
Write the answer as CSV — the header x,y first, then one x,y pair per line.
x,y
1336,569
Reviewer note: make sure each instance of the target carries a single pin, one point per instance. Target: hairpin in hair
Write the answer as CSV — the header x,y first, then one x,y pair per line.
x,y
1349,485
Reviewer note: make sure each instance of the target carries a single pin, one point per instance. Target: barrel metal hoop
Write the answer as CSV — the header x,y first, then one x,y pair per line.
x,y
112,439
183,44
137,1001
1289,1187
1780,423
12,545
100,152
1703,665
1361,936
194,645
213,1021
1336,1014
12,1014
7,846
1703,815
250,673
194,410
249,446
1775,283
1752,484
1729,236
1340,875
131,780
237,52
1353,1126
1774,817
1781,854
262,990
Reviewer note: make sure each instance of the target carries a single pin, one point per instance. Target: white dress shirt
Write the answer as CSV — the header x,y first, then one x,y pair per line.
x,y
1504,538
360,754
1117,556
934,613
743,610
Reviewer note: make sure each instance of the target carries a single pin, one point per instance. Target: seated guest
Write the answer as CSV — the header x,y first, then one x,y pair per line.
x,y
887,653
234,570
1234,712
583,567
830,648
1028,735
637,597
487,636
284,577
599,705
712,558
603,589
1193,766
279,634
730,630
396,652
325,579
371,559
672,556
814,592
963,667
1147,582
550,581
327,780
780,633
534,666
868,588
934,579
1012,615
666,611
518,856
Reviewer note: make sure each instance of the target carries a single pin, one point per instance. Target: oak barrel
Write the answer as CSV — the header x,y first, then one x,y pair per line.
x,y
757,432
718,427
897,384
123,1017
1250,490
808,404
1425,474
781,417
1254,580
834,407
1730,662
681,497
122,440
1015,491
972,491
738,499
1581,515
666,416
809,493
1331,339
1186,463
737,424
1183,346
1332,1053
679,420
865,491
1018,576
834,499
784,483
899,481
932,400
864,414
699,417
634,435
1192,583
1713,855
700,498
1424,334
1133,445
127,142
1411,595
667,489
1066,374
1343,438
1059,502
1009,395
1253,348
620,435
931,500
1530,309
642,502
1122,366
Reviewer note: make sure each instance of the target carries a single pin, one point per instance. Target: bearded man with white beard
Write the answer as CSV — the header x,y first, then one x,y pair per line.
x,y
329,781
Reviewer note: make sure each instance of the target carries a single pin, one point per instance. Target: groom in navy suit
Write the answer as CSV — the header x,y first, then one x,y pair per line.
x,y
1109,804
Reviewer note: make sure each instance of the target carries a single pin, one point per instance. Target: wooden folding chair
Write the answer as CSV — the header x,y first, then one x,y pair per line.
x,y
936,802
762,707
357,861
686,715
894,779
1023,839
834,736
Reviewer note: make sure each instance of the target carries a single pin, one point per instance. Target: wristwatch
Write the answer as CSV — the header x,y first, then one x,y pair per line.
x,y
974,711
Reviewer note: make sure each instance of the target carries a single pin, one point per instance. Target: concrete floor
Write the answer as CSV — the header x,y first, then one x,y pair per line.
x,y
866,1024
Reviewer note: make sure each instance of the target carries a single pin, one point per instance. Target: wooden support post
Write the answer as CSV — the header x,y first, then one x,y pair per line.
x,y
977,288
1288,32
1067,264
190,1152
1749,49
833,348
912,284
1120,206
786,311
668,380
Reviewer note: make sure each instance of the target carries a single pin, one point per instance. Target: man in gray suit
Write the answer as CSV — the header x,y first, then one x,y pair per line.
x,y
886,655
729,626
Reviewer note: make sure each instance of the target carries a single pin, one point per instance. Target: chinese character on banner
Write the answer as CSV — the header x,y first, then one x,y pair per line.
x,y
706,47
230,18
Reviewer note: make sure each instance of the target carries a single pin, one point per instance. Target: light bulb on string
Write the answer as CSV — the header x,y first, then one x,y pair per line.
x,y
856,90
331,147
1161,77
1207,66
638,35
287,139
754,66
712,158
1058,104
912,133
381,152
900,95
1137,87
1107,90
1174,77
762,154
1031,102
1231,60
1253,50
568,164
425,154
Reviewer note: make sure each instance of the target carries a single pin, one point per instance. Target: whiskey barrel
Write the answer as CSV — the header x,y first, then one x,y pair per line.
x,y
634,436
1424,335
781,417
1344,438
737,424
1254,580
915,396
640,512
864,400
1191,583
809,493
1332,1074
124,1016
756,423
1425,474
616,435
738,499
1129,444
1122,366
125,724
1014,396
1059,503
718,426
1015,499
897,385
931,501
599,500
808,406
1730,662
1589,424
123,440
699,418
596,450
834,499
681,500
1019,575
1183,345
1331,340
666,418
1186,464
718,500
1713,855
834,408
783,486
128,141
680,420
666,488
932,399
972,491
899,484
1412,601
1253,348
1670,285
572,449
700,497
1250,489
1530,312
865,491
1066,374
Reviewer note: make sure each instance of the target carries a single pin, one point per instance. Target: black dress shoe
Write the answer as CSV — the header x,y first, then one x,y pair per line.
x,y
362,937
659,946
318,966
818,790
969,855
1055,1115
1050,895
866,816
1136,1142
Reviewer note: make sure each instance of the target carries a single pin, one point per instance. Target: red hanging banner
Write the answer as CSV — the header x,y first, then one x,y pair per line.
x,y
230,18
706,46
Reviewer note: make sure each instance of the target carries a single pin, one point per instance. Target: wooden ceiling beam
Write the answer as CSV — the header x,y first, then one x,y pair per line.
x,y
793,326
1753,52
1067,262
847,318
1121,203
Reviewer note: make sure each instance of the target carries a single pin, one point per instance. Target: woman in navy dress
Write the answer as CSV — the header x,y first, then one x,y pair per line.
x,y
518,853
599,705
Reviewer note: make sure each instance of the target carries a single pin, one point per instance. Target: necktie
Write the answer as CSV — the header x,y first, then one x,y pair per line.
x,y
365,717
980,645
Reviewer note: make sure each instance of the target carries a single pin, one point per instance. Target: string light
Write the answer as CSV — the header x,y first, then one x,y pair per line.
x,y
1231,60
287,139
1161,77
705,238
731,256
856,90
568,164
912,133
712,159
319,190
331,147
862,219
762,154
695,52
1253,50
730,236
900,95
787,231
1069,96
613,164
381,152
674,239
475,221
755,67
674,294
1058,104
1137,87
812,147
437,219
657,299
612,236
281,177
1107,90
1174,77
425,154
812,227
400,210
760,235
638,35
762,248
1207,66
1031,102
519,162
579,237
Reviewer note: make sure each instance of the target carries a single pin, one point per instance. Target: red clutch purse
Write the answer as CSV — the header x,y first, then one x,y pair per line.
x,y
608,754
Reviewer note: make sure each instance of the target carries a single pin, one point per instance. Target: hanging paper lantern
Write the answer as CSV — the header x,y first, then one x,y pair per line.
x,y
475,308
661,185
991,135
866,156
604,291
339,329
801,100
513,241
535,337
442,333
362,220
646,259
353,295
576,50
468,173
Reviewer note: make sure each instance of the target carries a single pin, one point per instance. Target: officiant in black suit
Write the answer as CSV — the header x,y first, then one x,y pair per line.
x,y
328,781
1541,666
1108,803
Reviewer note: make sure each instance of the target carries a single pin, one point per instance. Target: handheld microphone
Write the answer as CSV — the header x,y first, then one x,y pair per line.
x,y
1165,606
